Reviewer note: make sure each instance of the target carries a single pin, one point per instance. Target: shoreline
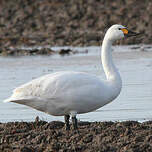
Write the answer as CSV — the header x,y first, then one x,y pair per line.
x,y
67,50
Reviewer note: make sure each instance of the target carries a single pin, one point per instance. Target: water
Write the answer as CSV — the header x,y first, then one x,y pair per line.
x,y
134,102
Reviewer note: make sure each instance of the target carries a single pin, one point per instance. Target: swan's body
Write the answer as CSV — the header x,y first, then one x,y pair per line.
x,y
71,93
63,92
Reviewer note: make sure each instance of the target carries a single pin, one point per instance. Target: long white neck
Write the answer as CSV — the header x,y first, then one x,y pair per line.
x,y
110,70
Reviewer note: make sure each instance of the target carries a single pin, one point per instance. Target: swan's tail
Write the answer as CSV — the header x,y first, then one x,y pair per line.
x,y
12,100
34,102
7,100
21,100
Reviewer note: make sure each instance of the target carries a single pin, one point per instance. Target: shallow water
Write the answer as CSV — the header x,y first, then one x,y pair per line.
x,y
134,102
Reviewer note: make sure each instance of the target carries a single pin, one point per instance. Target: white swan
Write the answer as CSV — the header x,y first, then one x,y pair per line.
x,y
71,93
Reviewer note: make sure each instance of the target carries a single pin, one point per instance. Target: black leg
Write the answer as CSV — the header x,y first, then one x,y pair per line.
x,y
74,122
67,125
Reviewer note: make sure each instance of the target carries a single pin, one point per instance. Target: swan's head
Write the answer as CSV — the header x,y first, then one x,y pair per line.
x,y
116,32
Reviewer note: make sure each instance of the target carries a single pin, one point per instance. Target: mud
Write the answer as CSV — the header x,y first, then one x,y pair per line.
x,y
44,136
69,23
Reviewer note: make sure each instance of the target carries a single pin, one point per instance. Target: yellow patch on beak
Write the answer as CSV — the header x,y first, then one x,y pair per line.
x,y
125,31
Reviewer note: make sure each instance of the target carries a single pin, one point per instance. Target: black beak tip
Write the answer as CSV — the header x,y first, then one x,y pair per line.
x,y
130,34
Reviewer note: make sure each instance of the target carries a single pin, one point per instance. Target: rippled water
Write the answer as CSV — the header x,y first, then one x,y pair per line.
x,y
134,102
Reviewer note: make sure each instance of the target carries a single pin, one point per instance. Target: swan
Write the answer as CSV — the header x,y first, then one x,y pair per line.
x,y
68,93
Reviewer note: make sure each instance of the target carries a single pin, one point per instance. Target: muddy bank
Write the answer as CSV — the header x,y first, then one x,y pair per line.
x,y
36,51
76,23
96,136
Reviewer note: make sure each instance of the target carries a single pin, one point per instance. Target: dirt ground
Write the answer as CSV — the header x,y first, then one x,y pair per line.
x,y
41,136
69,23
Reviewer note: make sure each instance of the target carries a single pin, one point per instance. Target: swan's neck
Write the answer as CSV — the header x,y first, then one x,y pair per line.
x,y
109,68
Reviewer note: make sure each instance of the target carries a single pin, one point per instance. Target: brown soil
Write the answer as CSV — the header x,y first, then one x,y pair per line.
x,y
70,22
41,136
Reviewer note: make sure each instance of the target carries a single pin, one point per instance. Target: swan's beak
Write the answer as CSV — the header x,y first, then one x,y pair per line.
x,y
129,33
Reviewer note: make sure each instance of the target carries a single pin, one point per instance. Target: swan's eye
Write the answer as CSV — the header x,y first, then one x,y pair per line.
x,y
119,28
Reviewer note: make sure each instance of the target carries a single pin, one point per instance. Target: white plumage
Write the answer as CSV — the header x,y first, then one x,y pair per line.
x,y
69,93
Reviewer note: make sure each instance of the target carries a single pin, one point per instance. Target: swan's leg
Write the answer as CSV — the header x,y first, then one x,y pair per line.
x,y
74,122
67,125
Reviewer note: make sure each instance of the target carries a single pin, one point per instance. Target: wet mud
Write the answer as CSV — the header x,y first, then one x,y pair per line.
x,y
41,136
